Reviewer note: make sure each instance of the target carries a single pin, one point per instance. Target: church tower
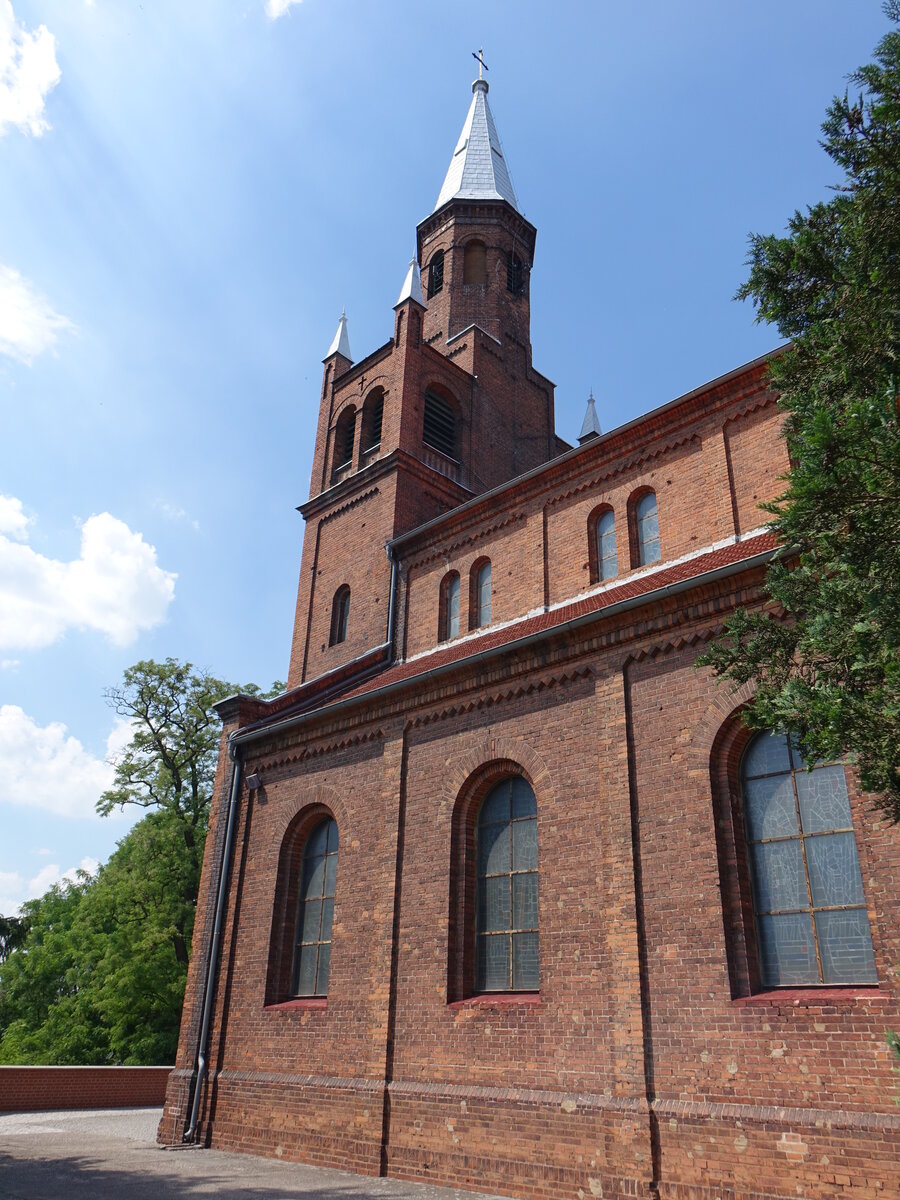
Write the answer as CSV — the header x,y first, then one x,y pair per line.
x,y
450,406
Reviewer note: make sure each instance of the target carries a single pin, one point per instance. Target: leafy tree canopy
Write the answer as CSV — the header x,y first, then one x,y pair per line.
x,y
94,971
825,653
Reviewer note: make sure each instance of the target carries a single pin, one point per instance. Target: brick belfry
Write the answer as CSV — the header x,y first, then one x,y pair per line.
x,y
449,407
502,893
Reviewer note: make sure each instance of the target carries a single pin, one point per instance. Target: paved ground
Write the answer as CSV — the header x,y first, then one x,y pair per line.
x,y
112,1155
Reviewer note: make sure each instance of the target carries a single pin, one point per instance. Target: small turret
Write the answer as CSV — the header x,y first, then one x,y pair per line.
x,y
590,426
412,286
340,343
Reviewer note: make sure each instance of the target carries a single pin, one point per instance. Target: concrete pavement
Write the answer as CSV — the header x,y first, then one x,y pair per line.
x,y
112,1155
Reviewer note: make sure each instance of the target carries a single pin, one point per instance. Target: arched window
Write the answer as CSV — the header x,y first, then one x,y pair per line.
x,y
340,615
475,263
373,415
506,903
480,594
811,920
603,553
644,521
439,424
515,275
449,614
312,943
344,434
436,274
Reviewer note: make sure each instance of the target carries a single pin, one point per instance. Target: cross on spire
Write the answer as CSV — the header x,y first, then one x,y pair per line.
x,y
482,65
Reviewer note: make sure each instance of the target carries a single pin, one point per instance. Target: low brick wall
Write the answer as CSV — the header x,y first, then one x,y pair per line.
x,y
29,1089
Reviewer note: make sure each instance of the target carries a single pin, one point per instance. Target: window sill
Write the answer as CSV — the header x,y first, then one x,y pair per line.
x,y
498,1000
813,997
301,1002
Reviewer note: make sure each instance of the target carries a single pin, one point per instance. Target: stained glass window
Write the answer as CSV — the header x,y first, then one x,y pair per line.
x,y
450,607
607,558
312,954
807,888
482,596
506,912
647,519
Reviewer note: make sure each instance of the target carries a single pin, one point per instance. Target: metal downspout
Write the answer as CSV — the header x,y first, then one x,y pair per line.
x,y
202,1063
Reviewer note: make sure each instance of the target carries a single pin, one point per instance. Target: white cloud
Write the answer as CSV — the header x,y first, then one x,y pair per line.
x,y
172,512
13,520
28,71
29,325
14,888
277,8
8,664
45,767
115,586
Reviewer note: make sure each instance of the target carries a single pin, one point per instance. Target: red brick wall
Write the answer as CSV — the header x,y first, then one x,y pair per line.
x,y
33,1089
644,1065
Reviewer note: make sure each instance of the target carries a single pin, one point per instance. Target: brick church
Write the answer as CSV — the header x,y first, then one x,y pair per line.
x,y
501,893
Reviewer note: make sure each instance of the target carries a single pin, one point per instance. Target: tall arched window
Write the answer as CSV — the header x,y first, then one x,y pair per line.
x,y
475,263
645,530
340,615
373,416
439,424
436,273
506,904
449,614
312,945
603,553
480,594
344,435
811,920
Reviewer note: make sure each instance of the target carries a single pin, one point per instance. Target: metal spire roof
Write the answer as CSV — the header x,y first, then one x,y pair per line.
x,y
590,426
478,169
412,285
341,342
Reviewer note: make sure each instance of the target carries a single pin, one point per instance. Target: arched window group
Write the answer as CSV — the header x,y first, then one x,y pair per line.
x,y
480,600
799,849
643,536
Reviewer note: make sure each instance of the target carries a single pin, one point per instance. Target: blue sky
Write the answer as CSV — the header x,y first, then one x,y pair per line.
x,y
189,194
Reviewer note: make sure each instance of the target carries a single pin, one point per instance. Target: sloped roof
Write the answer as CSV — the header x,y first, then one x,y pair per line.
x,y
675,576
478,170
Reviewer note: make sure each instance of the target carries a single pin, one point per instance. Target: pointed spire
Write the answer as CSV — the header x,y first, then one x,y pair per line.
x,y
412,285
590,426
341,342
478,170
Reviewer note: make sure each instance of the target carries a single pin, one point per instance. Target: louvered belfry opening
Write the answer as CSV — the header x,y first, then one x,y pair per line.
x,y
440,425
373,415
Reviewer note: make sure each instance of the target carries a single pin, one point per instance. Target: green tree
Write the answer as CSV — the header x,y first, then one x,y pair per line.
x,y
12,935
95,970
824,652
